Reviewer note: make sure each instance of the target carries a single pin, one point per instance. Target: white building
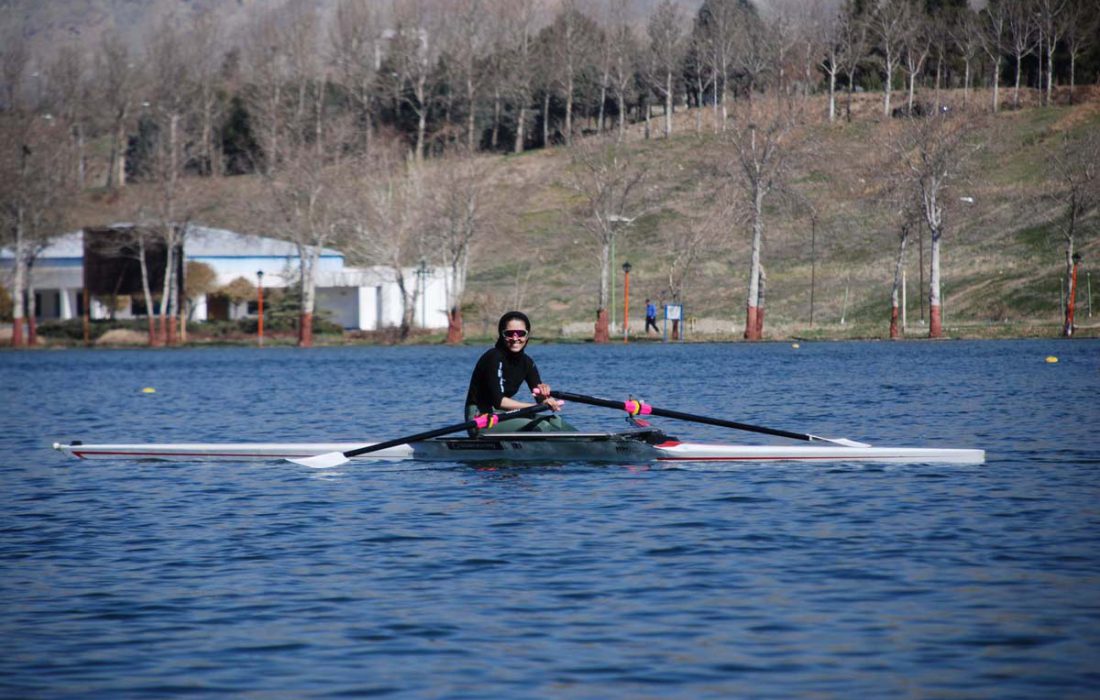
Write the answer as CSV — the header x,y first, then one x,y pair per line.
x,y
356,298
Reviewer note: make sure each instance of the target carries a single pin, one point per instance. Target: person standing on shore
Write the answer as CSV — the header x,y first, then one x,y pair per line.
x,y
651,317
497,377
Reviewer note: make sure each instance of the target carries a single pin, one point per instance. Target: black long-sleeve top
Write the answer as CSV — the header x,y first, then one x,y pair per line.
x,y
499,373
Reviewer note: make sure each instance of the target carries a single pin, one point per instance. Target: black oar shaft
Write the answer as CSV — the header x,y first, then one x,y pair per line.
x,y
678,415
519,413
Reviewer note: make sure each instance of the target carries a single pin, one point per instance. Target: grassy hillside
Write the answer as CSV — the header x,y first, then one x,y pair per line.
x,y
1002,258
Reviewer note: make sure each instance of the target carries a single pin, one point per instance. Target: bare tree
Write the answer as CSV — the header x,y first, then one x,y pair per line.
x,y
718,24
932,154
118,76
1082,27
908,220
206,53
1074,168
666,48
916,43
1053,23
38,183
385,222
831,31
467,43
1022,37
853,48
965,34
686,239
414,46
755,57
609,184
572,37
759,149
268,75
68,98
938,25
460,191
171,103
306,163
519,63
888,23
995,27
355,40
623,46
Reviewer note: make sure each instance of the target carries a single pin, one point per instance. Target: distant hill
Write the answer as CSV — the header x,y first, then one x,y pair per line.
x,y
1002,257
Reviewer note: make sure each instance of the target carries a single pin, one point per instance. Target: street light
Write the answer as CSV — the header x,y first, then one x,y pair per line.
x,y
626,301
616,221
260,307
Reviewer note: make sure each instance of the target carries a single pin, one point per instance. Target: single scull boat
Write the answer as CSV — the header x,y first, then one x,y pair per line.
x,y
643,444
636,446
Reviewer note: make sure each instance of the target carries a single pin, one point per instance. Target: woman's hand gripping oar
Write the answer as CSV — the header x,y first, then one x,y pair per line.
x,y
636,408
485,420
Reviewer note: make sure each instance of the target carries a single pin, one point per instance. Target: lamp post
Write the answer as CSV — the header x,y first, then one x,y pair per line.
x,y
260,308
616,222
1070,303
626,302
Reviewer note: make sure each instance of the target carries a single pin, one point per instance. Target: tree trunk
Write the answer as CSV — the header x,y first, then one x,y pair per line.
x,y
19,287
32,310
1050,71
305,330
760,304
848,101
546,120
966,83
752,303
668,105
888,85
996,84
521,123
895,293
308,258
1070,290
149,316
935,315
1016,90
569,112
602,332
832,97
454,326
471,120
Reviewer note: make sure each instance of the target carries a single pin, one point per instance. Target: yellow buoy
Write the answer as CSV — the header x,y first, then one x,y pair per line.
x,y
148,390
1051,359
794,345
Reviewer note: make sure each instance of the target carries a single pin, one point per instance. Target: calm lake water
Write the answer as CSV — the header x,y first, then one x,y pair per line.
x,y
146,580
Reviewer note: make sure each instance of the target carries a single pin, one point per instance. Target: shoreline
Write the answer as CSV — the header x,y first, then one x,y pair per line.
x,y
783,334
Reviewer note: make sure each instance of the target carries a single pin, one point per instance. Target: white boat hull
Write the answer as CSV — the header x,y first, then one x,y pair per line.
x,y
530,447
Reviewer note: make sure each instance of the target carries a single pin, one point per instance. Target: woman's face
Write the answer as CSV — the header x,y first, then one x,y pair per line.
x,y
515,335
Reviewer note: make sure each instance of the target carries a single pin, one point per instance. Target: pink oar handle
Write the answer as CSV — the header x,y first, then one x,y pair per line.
x,y
634,407
486,420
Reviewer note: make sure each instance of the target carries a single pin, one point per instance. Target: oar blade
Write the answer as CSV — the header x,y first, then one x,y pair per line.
x,y
844,442
326,460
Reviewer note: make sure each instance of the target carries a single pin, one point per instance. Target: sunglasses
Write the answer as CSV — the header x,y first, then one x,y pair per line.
x,y
514,335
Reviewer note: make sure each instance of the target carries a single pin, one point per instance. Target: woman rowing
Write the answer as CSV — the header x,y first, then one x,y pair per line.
x,y
498,375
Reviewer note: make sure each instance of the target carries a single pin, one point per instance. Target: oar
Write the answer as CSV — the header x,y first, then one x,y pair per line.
x,y
486,420
637,407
